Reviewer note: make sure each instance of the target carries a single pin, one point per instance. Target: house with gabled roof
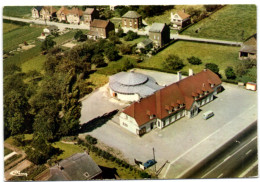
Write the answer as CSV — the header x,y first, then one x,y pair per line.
x,y
89,15
132,20
74,15
62,14
171,103
47,13
79,166
180,19
100,29
36,12
249,49
159,33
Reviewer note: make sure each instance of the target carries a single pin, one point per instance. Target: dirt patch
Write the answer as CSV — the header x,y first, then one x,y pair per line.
x,y
69,45
21,166
27,47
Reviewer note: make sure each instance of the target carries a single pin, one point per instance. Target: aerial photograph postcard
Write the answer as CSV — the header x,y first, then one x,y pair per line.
x,y
123,92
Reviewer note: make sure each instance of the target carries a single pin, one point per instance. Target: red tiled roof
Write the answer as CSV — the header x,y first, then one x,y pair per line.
x,y
182,92
89,11
63,10
73,11
50,8
183,15
99,23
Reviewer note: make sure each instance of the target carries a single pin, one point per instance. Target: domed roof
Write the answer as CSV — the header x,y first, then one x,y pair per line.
x,y
130,78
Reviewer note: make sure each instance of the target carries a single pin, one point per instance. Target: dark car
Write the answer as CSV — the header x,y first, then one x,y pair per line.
x,y
149,163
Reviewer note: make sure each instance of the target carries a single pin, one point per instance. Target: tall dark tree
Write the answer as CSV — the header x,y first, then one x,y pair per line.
x,y
48,43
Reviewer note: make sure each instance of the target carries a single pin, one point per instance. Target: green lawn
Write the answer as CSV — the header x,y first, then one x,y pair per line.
x,y
62,38
18,11
8,27
7,151
68,149
221,55
12,39
228,23
36,63
135,41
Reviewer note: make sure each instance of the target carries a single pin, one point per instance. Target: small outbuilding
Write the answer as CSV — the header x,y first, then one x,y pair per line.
x,y
132,86
249,49
251,86
145,44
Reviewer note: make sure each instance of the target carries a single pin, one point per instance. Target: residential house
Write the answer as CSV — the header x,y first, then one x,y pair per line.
x,y
62,14
74,15
159,33
132,20
249,49
100,28
169,104
89,15
36,12
47,13
79,166
180,19
145,44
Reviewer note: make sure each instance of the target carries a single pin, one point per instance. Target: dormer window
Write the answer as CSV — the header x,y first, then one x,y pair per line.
x,y
152,116
212,85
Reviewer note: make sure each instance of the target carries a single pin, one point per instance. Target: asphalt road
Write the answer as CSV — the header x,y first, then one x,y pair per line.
x,y
236,154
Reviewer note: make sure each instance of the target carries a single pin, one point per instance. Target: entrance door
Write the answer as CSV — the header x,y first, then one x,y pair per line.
x,y
151,125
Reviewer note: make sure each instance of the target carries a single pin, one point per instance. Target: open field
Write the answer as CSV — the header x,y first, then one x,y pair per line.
x,y
221,55
233,22
36,63
17,11
8,27
166,16
25,33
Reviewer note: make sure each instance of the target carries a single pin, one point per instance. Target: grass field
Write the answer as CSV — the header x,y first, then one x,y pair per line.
x,y
7,151
228,23
135,41
8,27
209,53
62,38
17,11
25,33
36,63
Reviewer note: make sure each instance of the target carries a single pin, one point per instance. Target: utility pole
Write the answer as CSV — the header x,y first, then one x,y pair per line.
x,y
154,160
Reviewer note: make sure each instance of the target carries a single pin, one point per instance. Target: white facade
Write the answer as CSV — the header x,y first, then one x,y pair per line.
x,y
125,97
35,13
73,19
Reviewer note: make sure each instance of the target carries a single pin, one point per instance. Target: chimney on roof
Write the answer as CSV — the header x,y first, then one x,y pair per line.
x,y
190,72
179,75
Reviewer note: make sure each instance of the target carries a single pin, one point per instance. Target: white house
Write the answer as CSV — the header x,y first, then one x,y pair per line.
x,y
180,19
171,103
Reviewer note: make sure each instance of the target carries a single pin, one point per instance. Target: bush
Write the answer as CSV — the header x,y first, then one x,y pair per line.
x,y
213,67
195,61
19,140
127,65
173,62
130,36
144,175
111,54
230,74
91,140
120,32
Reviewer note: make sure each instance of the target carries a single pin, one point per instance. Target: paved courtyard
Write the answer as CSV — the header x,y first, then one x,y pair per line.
x,y
234,104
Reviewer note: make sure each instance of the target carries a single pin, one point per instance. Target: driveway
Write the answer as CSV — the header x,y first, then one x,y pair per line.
x,y
99,103
234,104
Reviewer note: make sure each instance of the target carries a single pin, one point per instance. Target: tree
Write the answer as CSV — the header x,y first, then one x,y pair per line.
x,y
111,54
173,62
230,74
98,60
213,67
130,36
127,65
126,49
47,44
195,61
114,38
120,32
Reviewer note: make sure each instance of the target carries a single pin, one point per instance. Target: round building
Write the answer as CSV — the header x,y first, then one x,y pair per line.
x,y
132,86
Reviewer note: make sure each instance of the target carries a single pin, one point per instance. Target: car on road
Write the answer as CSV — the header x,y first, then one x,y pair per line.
x,y
207,115
149,163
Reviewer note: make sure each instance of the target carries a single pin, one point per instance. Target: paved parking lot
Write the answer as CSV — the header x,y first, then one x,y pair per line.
x,y
172,141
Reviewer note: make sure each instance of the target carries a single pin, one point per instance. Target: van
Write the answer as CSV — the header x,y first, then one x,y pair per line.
x,y
207,115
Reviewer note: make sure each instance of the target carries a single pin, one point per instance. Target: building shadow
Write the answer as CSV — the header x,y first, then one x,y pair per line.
x,y
109,173
97,122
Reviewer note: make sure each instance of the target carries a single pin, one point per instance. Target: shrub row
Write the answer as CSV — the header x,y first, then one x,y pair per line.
x,y
91,140
12,159
230,81
161,70
15,22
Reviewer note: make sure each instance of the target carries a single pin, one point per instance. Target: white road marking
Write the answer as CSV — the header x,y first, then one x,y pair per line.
x,y
225,159
248,152
253,138
220,175
194,146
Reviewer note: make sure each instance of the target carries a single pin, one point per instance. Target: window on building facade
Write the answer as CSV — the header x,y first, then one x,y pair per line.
x,y
158,123
130,23
125,124
158,38
154,37
125,22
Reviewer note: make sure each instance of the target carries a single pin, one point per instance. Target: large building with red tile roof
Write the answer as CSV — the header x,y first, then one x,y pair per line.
x,y
180,19
171,103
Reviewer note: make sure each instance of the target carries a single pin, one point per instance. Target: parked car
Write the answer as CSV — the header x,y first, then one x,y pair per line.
x,y
207,115
149,163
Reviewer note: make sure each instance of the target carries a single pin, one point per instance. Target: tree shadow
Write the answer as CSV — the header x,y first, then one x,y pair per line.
x,y
109,173
97,122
